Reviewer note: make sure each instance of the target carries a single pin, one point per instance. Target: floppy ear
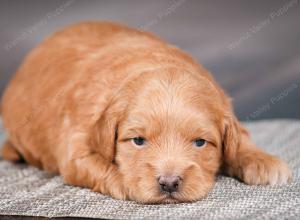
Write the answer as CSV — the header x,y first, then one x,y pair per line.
x,y
105,132
231,138
104,137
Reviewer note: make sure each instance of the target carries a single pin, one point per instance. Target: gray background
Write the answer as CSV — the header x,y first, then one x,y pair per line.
x,y
251,47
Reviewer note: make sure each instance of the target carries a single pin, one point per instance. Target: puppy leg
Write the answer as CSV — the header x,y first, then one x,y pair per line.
x,y
255,167
93,171
9,152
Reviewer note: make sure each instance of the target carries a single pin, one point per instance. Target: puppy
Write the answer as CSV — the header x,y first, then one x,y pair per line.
x,y
124,113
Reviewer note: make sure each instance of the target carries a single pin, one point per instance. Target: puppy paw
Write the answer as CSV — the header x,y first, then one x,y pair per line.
x,y
117,191
112,186
114,190
264,169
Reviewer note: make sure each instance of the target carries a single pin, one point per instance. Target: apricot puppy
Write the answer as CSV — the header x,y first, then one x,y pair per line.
x,y
124,113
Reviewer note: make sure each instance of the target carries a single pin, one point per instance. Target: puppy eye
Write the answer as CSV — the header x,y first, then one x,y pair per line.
x,y
199,142
138,141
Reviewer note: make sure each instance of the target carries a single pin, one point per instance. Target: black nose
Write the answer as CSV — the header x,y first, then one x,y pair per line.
x,y
169,184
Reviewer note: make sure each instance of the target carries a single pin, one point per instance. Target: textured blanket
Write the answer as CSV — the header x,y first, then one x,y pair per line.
x,y
25,190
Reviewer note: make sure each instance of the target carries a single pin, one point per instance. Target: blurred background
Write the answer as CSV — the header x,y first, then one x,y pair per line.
x,y
251,47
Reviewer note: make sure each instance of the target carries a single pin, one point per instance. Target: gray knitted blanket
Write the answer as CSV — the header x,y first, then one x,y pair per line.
x,y
25,190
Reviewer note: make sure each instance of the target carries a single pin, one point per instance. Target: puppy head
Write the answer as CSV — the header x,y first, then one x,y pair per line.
x,y
170,134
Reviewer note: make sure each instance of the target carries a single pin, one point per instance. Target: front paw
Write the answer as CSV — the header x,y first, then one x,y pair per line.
x,y
264,169
112,186
114,189
117,191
